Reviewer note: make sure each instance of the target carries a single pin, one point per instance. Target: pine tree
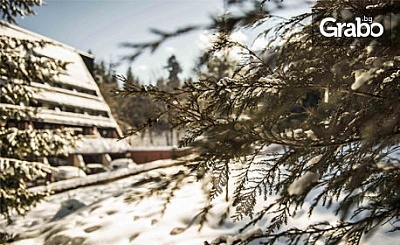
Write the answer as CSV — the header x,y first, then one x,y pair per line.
x,y
217,68
174,68
107,83
22,149
10,9
130,77
297,120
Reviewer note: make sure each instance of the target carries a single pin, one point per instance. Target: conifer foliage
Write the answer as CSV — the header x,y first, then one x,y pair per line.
x,y
22,148
10,9
297,121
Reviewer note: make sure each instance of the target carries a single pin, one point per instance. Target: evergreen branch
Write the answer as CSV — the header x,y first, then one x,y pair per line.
x,y
349,232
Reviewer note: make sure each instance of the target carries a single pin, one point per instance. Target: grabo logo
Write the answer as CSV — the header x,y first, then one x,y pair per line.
x,y
355,27
361,28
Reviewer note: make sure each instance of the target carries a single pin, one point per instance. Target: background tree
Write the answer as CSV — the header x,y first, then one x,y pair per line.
x,y
136,111
174,68
133,111
217,68
332,110
105,78
21,149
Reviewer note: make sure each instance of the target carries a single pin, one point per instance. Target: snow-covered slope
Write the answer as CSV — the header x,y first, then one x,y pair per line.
x,y
134,211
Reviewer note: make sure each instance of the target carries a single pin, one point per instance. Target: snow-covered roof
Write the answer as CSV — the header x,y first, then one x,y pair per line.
x,y
101,145
76,75
66,118
59,117
71,100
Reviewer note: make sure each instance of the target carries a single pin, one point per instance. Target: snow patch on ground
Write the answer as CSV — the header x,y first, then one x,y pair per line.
x,y
302,183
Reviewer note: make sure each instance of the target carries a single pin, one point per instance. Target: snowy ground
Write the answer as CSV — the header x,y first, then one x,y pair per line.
x,y
124,212
109,214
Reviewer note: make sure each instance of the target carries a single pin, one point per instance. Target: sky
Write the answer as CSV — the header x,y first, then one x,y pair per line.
x,y
102,25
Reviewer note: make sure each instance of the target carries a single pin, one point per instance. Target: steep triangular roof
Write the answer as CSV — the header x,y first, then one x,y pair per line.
x,y
76,88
